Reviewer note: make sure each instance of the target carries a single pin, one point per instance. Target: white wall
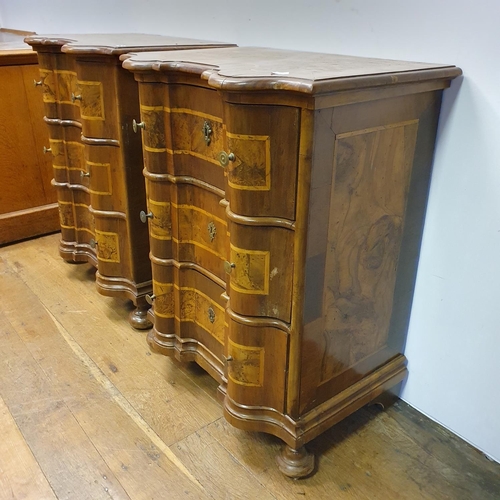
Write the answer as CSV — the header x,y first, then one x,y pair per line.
x,y
454,340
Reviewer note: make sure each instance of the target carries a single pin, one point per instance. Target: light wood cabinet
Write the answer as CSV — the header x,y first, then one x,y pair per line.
x,y
286,198
27,200
90,104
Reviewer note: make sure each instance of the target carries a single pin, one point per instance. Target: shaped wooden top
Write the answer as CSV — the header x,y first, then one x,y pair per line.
x,y
13,50
253,68
118,43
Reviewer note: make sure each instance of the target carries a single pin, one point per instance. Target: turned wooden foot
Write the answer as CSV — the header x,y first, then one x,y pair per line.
x,y
295,463
138,318
384,401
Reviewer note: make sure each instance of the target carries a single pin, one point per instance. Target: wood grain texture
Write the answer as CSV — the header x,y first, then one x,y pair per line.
x,y
58,76
257,357
210,462
154,387
261,179
19,158
190,227
261,281
372,173
255,68
110,176
189,311
361,265
13,50
324,161
27,223
371,454
84,82
116,43
24,168
49,426
21,475
122,464
174,141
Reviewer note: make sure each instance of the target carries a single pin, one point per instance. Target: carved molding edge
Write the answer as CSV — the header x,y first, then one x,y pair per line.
x,y
72,251
298,432
111,286
186,350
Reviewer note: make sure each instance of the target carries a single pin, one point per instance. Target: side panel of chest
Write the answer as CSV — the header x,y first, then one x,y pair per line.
x,y
368,197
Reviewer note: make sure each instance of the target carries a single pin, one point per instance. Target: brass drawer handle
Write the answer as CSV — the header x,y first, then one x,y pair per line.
x,y
224,158
229,359
84,174
145,216
211,314
229,266
150,299
136,125
75,97
37,84
212,231
93,243
207,132
47,150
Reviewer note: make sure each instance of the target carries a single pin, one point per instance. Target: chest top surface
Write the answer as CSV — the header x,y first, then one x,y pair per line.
x,y
13,50
233,68
117,43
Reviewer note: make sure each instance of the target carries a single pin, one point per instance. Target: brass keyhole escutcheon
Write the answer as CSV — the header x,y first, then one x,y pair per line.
x,y
150,299
207,132
211,314
212,231
145,216
224,158
137,125
229,266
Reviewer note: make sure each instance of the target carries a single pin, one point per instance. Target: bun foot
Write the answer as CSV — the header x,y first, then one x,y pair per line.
x,y
387,398
295,463
138,318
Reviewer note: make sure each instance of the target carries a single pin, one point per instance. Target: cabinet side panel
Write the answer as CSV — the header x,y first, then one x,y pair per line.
x,y
133,179
362,281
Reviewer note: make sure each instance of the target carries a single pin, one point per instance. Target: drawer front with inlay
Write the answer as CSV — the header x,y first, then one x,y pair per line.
x,y
183,132
260,157
256,364
95,95
84,221
152,125
158,215
192,306
56,150
190,227
111,247
260,271
66,214
105,179
68,155
58,83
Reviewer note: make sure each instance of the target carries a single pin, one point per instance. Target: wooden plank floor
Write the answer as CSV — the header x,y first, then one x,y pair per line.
x,y
88,412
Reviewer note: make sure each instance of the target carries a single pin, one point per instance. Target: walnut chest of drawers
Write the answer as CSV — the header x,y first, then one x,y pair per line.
x,y
90,102
286,197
